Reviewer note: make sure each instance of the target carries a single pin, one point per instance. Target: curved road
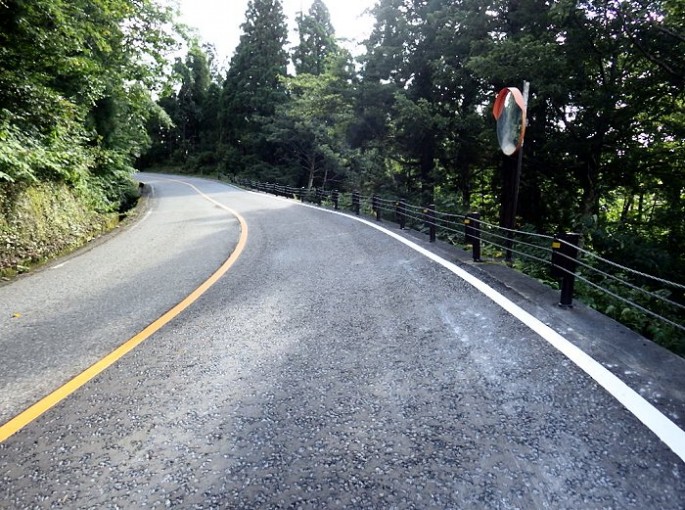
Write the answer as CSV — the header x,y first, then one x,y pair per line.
x,y
330,367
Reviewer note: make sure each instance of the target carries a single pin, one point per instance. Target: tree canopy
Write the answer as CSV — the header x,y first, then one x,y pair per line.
x,y
75,90
605,140
317,40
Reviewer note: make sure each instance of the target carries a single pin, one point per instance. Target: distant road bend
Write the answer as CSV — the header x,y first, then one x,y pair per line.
x,y
324,364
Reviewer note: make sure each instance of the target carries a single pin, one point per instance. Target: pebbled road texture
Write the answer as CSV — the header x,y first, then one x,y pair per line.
x,y
77,310
332,367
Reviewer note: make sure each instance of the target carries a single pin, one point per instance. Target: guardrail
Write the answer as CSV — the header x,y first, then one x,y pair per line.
x,y
561,254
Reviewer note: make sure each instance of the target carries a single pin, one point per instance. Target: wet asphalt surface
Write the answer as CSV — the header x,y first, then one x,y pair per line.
x,y
331,367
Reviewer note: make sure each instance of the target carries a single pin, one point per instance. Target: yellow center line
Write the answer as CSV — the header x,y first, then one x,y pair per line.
x,y
40,407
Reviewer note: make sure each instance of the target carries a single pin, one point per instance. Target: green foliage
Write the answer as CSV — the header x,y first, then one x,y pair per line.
x,y
317,40
75,83
254,88
44,219
309,130
636,319
29,155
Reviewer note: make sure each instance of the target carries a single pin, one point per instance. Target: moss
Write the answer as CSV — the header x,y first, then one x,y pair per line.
x,y
44,220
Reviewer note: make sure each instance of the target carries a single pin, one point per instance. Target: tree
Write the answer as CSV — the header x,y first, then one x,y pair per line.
x,y
74,89
415,65
310,129
254,86
656,29
317,40
192,95
191,107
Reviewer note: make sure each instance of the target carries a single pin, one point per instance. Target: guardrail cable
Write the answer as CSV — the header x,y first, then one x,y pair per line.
x,y
648,293
631,303
624,268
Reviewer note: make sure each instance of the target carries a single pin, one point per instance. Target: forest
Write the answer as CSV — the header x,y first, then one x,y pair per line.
x,y
88,91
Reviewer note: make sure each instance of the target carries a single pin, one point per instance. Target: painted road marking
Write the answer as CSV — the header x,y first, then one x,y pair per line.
x,y
139,222
40,407
669,433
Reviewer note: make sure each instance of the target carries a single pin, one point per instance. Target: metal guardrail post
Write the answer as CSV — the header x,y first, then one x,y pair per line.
x,y
429,213
472,233
356,202
564,255
401,213
376,206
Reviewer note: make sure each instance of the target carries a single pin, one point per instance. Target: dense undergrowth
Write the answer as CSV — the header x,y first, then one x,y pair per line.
x,y
46,219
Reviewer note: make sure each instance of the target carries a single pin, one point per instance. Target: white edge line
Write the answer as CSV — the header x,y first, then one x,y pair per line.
x,y
137,224
671,435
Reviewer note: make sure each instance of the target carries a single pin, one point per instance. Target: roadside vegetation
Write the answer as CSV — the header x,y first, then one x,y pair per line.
x,y
76,85
408,118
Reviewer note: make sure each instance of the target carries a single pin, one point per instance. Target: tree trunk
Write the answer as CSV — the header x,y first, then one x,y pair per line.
x,y
427,165
312,169
627,206
590,200
466,186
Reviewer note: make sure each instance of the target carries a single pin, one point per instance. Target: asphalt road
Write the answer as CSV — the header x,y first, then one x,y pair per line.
x,y
331,367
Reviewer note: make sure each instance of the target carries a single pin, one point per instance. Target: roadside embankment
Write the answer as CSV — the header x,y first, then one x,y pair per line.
x,y
44,220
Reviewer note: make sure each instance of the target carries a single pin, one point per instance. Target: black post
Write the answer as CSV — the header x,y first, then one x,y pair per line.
x,y
356,202
336,197
512,179
376,206
430,220
472,233
401,213
564,255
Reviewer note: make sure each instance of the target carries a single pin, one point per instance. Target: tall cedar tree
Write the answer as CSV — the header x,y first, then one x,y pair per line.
x,y
254,83
317,40
192,96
